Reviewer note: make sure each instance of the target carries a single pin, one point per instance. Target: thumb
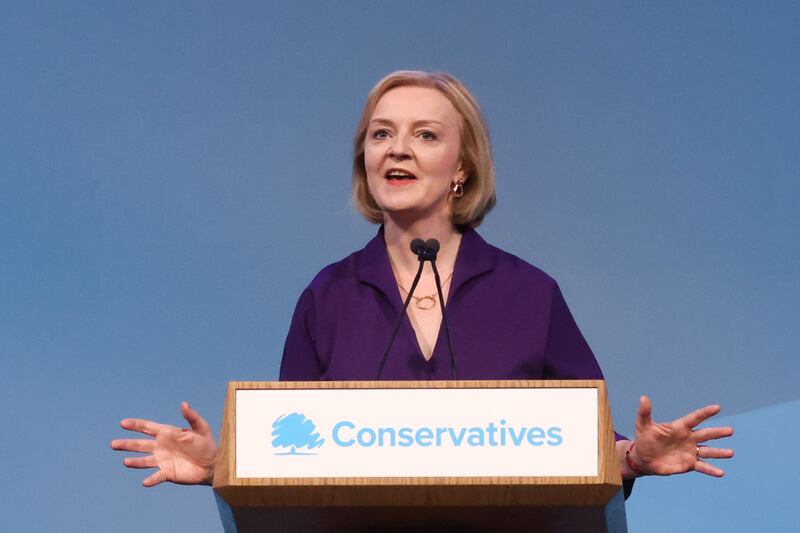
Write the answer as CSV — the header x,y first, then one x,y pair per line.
x,y
196,421
644,417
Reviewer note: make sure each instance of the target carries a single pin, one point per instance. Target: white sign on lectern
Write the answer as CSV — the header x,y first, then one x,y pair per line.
x,y
291,433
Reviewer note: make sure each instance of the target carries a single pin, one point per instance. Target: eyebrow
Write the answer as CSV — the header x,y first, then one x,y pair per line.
x,y
388,122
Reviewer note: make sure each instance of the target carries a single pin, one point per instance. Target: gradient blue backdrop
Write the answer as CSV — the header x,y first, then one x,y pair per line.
x,y
172,174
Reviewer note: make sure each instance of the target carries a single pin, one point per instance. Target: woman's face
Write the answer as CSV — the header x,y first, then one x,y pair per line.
x,y
411,152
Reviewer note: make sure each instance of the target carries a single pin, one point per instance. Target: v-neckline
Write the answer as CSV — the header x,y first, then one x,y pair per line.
x,y
474,257
412,333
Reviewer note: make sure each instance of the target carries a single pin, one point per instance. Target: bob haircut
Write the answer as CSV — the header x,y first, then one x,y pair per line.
x,y
476,151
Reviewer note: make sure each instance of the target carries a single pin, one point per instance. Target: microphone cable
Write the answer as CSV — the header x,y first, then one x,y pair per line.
x,y
432,246
418,247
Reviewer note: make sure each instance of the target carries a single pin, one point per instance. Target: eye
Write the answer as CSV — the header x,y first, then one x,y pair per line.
x,y
427,135
379,134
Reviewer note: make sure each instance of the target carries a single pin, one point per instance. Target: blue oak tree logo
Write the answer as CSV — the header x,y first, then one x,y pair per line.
x,y
295,431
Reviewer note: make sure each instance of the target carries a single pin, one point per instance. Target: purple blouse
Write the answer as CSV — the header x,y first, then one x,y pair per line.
x,y
508,320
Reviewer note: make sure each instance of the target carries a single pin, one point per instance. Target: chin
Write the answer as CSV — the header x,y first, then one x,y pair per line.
x,y
415,213
396,203
398,210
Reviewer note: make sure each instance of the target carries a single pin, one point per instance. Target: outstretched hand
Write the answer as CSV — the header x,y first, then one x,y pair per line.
x,y
674,447
182,456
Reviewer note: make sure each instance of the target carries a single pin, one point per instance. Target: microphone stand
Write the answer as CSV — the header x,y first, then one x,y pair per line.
x,y
444,314
415,247
426,251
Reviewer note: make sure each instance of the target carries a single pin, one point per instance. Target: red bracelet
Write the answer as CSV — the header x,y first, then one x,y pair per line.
x,y
630,462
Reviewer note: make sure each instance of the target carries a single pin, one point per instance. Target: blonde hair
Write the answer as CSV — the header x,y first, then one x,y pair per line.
x,y
475,154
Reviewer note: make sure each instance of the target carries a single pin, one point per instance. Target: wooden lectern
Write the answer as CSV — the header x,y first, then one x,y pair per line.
x,y
469,502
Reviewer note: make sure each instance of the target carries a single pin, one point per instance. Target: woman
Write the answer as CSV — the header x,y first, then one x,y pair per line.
x,y
422,168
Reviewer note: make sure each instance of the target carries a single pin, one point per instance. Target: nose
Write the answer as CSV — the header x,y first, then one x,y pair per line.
x,y
399,149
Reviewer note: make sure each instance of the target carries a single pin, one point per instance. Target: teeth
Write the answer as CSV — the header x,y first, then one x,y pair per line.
x,y
399,173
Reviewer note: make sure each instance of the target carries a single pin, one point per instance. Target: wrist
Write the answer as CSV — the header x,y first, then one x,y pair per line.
x,y
208,479
633,461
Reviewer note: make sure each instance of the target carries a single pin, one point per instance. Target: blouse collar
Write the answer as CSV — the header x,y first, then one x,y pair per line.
x,y
475,257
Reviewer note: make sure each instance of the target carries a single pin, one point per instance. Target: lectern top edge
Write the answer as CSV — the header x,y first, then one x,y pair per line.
x,y
446,384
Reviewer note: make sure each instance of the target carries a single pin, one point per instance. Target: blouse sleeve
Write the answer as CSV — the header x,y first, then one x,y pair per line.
x,y
568,355
300,360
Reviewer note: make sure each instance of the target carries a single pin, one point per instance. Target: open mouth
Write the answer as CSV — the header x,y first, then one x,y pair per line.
x,y
399,175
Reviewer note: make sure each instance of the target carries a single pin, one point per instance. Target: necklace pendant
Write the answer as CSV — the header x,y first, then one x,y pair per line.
x,y
425,303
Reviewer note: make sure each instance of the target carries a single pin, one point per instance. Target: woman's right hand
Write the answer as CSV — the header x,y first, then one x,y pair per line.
x,y
182,456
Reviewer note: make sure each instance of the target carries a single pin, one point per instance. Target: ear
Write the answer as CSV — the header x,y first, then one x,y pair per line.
x,y
460,175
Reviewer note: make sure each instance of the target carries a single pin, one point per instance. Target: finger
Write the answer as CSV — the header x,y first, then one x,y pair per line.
x,y
705,434
704,413
706,452
134,445
644,417
155,479
142,426
140,462
196,421
708,469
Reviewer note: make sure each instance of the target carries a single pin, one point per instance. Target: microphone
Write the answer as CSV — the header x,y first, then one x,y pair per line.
x,y
431,250
418,246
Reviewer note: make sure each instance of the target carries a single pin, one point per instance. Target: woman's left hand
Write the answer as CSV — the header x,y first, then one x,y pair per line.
x,y
674,447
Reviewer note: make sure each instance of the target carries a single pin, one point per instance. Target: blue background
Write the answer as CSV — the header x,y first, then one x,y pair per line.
x,y
172,175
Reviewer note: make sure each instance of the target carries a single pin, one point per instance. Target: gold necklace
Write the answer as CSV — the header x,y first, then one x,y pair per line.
x,y
430,300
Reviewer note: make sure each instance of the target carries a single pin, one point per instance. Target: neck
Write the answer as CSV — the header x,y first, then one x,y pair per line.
x,y
399,234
